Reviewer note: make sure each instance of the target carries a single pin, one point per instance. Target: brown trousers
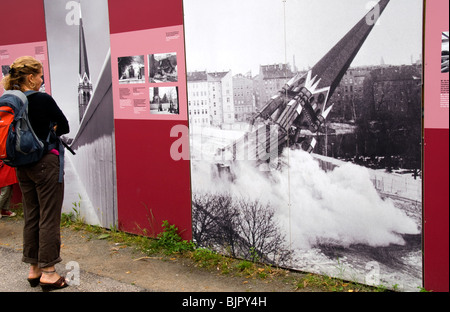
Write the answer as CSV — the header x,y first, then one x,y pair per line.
x,y
42,205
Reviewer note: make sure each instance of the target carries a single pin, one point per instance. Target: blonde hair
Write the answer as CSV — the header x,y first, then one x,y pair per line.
x,y
19,70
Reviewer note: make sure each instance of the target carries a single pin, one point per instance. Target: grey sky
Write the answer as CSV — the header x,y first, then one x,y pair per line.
x,y
242,34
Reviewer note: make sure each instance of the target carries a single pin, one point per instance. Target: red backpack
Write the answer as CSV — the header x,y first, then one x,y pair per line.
x,y
19,145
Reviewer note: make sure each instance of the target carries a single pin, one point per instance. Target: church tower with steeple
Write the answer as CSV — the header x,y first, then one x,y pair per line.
x,y
85,84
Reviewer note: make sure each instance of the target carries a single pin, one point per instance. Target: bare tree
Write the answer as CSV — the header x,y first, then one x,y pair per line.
x,y
245,228
259,229
214,218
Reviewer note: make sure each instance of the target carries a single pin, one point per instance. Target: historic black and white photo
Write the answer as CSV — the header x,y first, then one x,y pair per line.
x,y
445,52
78,38
78,42
164,100
163,67
131,69
305,124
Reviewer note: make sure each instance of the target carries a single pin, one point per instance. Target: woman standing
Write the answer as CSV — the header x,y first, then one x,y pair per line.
x,y
41,190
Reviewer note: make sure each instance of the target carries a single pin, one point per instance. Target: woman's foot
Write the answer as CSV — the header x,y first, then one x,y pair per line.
x,y
34,275
35,272
50,280
49,276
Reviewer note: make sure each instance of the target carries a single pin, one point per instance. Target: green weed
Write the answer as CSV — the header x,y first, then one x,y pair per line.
x,y
170,241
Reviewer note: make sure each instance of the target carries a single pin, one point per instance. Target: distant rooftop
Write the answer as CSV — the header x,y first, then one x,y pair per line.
x,y
276,71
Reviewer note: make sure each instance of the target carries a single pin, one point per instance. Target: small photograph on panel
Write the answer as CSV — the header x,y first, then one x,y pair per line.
x,y
5,70
131,69
163,67
164,101
444,57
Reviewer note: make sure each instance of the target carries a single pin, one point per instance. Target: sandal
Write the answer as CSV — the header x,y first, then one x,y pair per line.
x,y
34,282
59,284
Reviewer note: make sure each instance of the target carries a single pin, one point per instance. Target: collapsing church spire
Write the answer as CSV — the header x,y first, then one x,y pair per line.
x,y
302,104
85,85
332,67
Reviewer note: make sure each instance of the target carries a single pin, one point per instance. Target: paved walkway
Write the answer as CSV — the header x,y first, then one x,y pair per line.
x,y
14,271
99,265
14,280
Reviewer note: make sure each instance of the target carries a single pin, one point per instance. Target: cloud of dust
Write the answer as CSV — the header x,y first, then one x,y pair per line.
x,y
338,207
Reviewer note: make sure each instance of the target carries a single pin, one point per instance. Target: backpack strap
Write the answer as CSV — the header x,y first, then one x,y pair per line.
x,y
19,94
59,147
30,92
61,161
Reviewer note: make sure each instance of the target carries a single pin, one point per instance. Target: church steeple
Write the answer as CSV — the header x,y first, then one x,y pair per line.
x,y
85,84
332,67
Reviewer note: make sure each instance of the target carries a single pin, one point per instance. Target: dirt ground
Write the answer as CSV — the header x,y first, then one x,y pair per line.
x,y
125,264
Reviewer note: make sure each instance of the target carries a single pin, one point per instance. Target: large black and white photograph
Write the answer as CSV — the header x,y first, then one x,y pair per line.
x,y
305,134
5,70
80,76
78,46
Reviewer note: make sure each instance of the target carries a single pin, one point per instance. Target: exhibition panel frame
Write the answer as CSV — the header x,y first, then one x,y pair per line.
x,y
310,135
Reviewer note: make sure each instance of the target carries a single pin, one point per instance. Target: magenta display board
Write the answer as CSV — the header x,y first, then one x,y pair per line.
x,y
435,71
38,50
149,74
149,101
24,40
30,10
436,146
